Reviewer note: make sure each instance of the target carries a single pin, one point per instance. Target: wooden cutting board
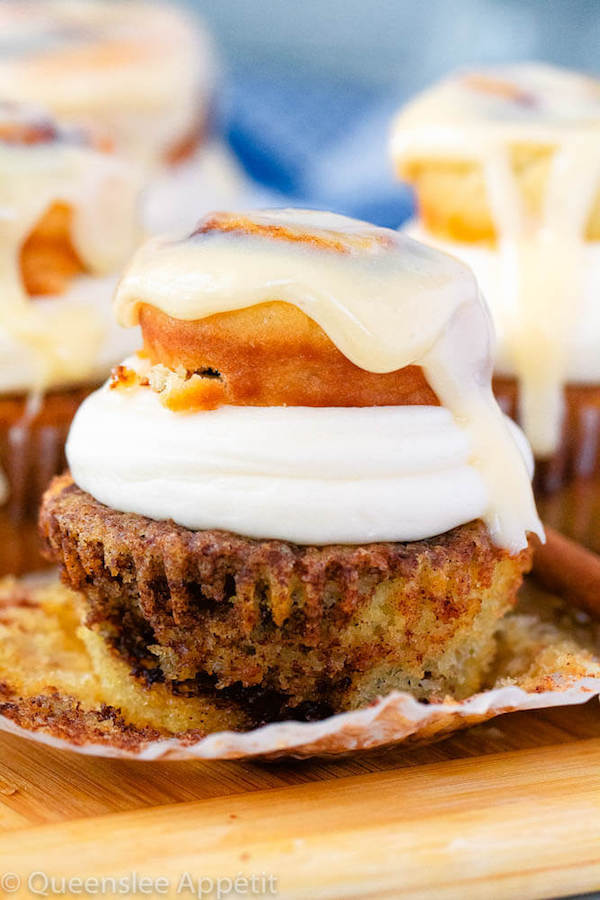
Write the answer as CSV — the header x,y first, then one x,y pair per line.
x,y
508,809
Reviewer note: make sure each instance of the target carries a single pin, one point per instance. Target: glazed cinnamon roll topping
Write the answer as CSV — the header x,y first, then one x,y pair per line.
x,y
386,303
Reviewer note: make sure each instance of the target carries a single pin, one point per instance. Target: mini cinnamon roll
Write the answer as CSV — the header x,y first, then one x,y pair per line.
x,y
505,167
69,222
356,522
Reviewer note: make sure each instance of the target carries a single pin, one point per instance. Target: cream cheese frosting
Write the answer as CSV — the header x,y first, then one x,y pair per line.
x,y
140,71
306,475
384,300
480,117
56,341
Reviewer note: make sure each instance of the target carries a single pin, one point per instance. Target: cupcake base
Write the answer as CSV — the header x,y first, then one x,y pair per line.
x,y
334,626
578,455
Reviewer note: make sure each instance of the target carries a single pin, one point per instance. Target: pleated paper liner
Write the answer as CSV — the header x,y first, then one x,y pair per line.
x,y
578,455
60,686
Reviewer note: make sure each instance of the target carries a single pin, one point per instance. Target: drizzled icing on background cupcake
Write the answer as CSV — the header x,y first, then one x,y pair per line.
x,y
145,75
68,224
506,167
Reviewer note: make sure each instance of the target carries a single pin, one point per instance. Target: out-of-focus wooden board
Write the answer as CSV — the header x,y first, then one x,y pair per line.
x,y
510,808
452,820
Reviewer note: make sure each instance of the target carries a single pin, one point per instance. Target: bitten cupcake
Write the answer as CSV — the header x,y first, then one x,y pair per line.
x,y
301,492
505,163
141,72
68,224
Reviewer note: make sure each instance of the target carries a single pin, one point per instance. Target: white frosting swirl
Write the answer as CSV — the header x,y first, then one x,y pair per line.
x,y
306,475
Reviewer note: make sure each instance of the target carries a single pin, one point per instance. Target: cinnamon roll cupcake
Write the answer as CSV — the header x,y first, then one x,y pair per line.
x,y
505,163
68,224
142,73
301,492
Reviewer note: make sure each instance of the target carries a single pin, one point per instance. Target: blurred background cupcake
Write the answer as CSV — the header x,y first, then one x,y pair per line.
x,y
309,99
505,163
144,74
69,222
